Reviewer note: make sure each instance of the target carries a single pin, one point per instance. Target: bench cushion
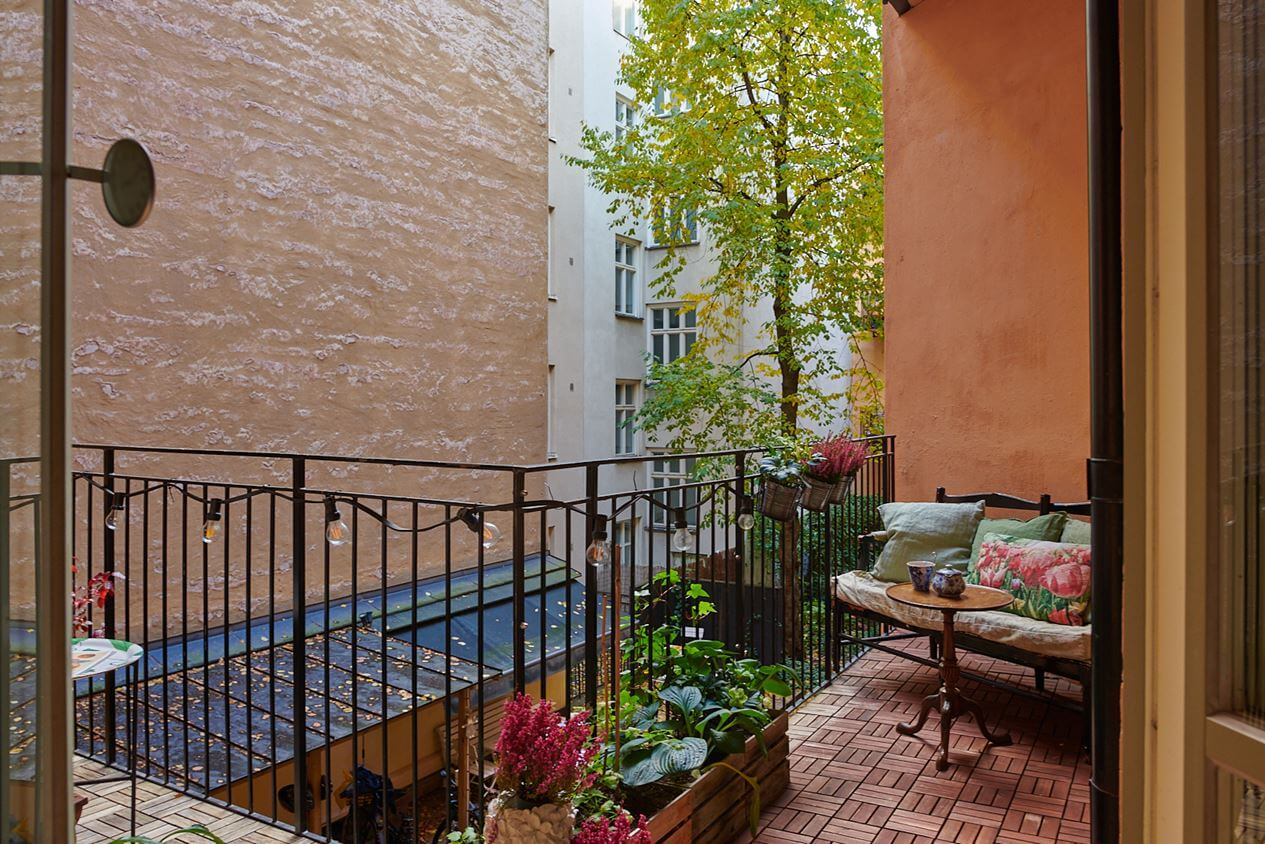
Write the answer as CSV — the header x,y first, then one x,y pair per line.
x,y
862,589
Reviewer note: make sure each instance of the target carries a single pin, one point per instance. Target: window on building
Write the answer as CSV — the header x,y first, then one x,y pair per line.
x,y
625,277
549,290
625,118
668,474
551,398
624,540
674,227
624,17
668,102
673,332
625,410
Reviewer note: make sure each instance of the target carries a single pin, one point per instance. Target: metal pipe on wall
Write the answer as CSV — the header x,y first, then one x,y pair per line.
x,y
1106,463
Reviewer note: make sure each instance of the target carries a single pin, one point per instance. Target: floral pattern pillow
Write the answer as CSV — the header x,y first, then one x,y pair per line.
x,y
1049,580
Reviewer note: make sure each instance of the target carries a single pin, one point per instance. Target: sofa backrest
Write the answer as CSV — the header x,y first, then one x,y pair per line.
x,y
1002,501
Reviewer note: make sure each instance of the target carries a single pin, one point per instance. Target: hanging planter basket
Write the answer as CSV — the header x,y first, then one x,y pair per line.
x,y
817,494
778,501
839,493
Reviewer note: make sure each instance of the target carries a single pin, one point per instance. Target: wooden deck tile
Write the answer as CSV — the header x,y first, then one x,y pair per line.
x,y
857,781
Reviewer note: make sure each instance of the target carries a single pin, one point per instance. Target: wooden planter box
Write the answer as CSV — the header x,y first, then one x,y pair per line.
x,y
714,809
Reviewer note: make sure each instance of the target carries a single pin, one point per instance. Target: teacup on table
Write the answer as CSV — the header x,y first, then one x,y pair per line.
x,y
920,572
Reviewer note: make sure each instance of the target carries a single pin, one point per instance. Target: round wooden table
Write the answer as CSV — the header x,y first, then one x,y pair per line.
x,y
949,700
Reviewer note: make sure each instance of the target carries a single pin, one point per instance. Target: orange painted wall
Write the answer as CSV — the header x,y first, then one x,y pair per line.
x,y
986,247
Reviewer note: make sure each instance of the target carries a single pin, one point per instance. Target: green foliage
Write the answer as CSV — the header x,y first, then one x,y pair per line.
x,y
684,704
467,836
773,137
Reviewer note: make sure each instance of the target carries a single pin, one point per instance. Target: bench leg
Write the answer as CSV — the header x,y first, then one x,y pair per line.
x,y
933,647
1087,713
1039,677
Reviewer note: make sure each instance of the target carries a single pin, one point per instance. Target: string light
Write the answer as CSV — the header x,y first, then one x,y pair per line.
x,y
489,533
116,507
746,513
683,536
599,550
336,530
214,522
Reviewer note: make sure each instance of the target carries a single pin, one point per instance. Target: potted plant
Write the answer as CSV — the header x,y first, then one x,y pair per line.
x,y
542,761
831,471
781,483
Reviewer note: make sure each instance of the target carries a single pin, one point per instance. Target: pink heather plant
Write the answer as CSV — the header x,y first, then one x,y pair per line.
x,y
620,830
542,758
840,458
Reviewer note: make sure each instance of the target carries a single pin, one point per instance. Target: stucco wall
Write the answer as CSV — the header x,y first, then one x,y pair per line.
x,y
347,254
987,341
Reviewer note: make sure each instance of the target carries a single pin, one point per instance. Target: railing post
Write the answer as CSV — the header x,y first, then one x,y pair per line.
x,y
108,564
298,601
6,709
591,655
740,556
520,588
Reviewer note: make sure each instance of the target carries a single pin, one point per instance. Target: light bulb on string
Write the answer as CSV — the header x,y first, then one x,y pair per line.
x,y
214,522
488,533
116,507
682,537
746,515
336,530
599,551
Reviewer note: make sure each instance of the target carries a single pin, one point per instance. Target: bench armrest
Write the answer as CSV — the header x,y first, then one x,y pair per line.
x,y
869,545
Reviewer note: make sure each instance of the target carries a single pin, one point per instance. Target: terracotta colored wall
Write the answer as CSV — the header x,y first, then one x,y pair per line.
x,y
986,246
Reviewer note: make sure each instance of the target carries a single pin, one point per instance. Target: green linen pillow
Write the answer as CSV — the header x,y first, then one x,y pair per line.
x,y
1048,527
942,533
1075,531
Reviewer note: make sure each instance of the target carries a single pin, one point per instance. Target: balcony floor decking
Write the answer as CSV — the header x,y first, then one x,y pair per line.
x,y
159,810
855,779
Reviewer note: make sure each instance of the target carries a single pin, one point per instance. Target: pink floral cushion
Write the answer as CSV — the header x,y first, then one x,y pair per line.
x,y
1050,580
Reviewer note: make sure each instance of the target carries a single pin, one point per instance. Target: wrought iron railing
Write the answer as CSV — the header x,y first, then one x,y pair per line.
x,y
315,646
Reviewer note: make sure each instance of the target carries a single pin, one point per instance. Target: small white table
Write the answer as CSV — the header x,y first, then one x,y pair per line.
x,y
91,658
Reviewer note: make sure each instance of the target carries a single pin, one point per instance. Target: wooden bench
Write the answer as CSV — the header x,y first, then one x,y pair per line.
x,y
1041,663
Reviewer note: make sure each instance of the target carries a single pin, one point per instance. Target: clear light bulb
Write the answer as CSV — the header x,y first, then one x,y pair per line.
x,y
337,532
111,523
746,521
491,535
599,551
210,530
682,538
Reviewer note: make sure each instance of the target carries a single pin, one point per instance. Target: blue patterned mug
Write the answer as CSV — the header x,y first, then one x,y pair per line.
x,y
948,582
920,574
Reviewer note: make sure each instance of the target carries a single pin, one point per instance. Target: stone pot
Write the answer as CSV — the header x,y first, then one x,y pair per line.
x,y
511,821
839,493
777,500
816,496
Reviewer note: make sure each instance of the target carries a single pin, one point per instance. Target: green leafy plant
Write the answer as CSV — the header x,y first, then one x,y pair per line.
x,y
197,830
465,836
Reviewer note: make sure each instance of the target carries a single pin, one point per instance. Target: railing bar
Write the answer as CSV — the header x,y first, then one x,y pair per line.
x,y
355,674
272,647
144,661
166,614
482,700
416,705
226,537
386,759
206,647
328,725
541,610
184,629
570,608
450,784
250,659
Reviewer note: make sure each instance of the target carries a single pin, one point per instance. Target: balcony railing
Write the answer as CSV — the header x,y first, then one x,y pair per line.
x,y
318,637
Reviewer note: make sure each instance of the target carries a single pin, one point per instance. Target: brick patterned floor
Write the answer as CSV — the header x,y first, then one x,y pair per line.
x,y
855,779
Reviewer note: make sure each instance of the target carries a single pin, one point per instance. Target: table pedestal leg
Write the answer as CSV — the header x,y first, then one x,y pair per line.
x,y
950,702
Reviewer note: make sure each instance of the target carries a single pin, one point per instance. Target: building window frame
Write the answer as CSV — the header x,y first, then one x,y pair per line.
x,y
627,279
625,117
627,395
625,17
667,473
673,331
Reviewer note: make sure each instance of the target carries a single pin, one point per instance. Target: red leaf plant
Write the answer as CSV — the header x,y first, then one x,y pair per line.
x,y
619,830
840,457
541,757
98,590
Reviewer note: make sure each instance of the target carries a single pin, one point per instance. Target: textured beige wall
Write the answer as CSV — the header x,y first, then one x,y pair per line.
x,y
348,250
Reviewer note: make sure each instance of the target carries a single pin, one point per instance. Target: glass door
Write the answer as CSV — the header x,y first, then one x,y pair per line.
x,y
1235,730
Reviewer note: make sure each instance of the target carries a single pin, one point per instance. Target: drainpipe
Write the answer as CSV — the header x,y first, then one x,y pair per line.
x,y
1106,463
